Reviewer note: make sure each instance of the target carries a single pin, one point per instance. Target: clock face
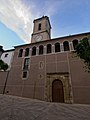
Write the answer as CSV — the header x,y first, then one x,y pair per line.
x,y
38,38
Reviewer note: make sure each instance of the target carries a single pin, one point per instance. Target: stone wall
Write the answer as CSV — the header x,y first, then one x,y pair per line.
x,y
3,76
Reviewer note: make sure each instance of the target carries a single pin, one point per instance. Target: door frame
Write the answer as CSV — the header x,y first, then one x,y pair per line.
x,y
67,87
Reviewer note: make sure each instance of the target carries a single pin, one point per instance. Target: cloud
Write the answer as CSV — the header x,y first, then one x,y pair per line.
x,y
16,16
19,18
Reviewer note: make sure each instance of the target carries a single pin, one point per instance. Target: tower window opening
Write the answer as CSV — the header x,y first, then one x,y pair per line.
x,y
39,26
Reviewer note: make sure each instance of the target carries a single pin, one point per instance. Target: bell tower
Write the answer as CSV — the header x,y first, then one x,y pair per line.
x,y
41,29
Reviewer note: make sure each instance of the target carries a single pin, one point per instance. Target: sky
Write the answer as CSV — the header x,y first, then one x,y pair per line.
x,y
67,17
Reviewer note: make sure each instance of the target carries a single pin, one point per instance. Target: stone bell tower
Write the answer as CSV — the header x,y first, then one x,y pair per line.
x,y
41,29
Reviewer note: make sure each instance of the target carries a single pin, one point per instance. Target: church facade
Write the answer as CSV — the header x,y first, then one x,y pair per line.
x,y
46,69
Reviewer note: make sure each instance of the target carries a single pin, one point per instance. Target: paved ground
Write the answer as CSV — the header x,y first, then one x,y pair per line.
x,y
16,108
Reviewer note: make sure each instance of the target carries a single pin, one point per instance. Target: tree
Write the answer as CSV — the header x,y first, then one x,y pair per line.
x,y
83,51
3,66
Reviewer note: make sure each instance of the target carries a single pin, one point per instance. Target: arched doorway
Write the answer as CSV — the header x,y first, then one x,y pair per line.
x,y
57,91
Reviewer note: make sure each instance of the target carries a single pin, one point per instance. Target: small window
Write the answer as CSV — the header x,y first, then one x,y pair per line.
x,y
39,26
57,47
66,46
34,51
20,53
49,48
27,52
26,64
7,91
6,55
40,49
40,76
24,74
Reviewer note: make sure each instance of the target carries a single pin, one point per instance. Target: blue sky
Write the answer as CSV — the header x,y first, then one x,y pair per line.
x,y
67,17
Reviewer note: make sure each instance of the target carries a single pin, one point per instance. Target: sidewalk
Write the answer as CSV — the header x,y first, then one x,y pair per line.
x,y
16,108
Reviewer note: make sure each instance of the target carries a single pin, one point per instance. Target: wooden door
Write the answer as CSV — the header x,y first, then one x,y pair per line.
x,y
57,91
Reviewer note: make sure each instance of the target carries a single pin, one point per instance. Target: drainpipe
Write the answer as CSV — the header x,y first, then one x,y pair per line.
x,y
34,89
5,82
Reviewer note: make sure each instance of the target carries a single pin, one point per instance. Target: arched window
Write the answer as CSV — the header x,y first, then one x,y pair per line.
x,y
57,47
27,52
49,49
34,51
20,53
40,49
85,38
75,42
39,26
66,46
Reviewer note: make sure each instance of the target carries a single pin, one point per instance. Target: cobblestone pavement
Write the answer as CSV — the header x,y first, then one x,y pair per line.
x,y
16,108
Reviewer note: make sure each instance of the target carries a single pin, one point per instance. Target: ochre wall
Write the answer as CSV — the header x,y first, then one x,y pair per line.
x,y
55,63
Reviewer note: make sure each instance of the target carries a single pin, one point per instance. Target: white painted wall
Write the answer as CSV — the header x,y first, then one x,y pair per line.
x,y
8,58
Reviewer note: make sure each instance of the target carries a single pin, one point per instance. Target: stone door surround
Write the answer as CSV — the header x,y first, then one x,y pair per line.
x,y
64,77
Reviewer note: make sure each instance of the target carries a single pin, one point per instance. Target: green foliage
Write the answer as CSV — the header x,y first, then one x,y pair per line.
x,y
83,51
3,66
